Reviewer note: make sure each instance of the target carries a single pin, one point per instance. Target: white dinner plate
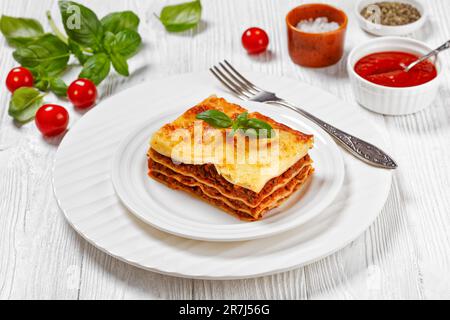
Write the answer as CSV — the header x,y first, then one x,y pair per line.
x,y
179,213
84,190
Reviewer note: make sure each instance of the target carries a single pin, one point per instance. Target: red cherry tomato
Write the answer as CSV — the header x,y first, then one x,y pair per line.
x,y
82,93
255,40
19,77
51,119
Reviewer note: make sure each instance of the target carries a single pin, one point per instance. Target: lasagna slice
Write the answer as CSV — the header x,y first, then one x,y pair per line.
x,y
241,174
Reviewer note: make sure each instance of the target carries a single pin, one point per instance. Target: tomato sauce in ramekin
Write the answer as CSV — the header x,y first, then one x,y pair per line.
x,y
387,69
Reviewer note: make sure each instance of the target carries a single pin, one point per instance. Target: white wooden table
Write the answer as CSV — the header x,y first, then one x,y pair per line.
x,y
405,254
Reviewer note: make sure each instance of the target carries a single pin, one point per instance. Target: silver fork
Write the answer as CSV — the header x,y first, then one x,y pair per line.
x,y
246,90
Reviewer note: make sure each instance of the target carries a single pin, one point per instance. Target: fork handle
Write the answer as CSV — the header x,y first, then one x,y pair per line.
x,y
357,147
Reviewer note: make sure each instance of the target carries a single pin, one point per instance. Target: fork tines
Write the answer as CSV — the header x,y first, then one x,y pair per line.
x,y
234,81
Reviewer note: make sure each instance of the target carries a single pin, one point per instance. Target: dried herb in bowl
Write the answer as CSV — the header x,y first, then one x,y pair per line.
x,y
391,13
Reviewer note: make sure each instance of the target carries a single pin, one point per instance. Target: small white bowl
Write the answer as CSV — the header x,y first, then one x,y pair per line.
x,y
389,100
381,30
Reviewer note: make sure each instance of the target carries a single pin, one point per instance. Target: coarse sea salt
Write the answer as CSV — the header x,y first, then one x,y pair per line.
x,y
317,25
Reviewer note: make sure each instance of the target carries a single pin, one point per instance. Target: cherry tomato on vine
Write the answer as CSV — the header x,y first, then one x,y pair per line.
x,y
255,40
19,77
82,93
51,119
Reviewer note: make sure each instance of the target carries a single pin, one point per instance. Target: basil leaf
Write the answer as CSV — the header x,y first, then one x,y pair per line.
x,y
239,123
58,87
42,84
96,68
242,119
108,41
215,118
44,81
24,104
76,50
40,77
48,52
234,128
181,17
120,64
81,24
127,43
20,31
259,125
117,21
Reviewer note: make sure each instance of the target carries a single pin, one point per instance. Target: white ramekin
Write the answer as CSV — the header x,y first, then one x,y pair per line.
x,y
388,100
381,30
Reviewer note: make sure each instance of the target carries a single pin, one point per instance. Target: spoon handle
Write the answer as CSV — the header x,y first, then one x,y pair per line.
x,y
445,46
433,53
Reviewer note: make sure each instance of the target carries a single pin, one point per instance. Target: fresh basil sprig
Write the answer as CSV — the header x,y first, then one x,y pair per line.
x,y
181,17
96,43
111,40
250,126
24,104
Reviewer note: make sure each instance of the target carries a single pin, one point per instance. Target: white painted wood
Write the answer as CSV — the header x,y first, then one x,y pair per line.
x,y
405,254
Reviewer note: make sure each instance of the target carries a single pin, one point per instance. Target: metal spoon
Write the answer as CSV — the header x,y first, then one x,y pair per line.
x,y
433,53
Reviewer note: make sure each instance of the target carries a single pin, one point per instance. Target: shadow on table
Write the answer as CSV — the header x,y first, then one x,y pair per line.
x,y
265,56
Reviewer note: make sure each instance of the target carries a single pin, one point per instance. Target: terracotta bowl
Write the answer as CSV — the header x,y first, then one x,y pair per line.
x,y
316,50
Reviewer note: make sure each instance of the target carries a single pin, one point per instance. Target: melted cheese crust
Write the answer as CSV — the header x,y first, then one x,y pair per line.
x,y
243,161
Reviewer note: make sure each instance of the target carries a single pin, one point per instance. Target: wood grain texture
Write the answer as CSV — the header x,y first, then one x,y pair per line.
x,y
405,254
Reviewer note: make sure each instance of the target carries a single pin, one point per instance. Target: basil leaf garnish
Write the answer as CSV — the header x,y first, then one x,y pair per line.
x,y
240,122
242,119
259,127
250,126
215,118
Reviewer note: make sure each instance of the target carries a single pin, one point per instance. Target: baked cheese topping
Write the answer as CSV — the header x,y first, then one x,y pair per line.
x,y
246,162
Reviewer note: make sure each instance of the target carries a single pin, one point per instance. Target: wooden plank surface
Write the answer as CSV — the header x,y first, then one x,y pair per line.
x,y
404,254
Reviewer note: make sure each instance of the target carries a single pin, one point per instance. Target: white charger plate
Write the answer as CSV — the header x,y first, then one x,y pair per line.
x,y
85,193
180,214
